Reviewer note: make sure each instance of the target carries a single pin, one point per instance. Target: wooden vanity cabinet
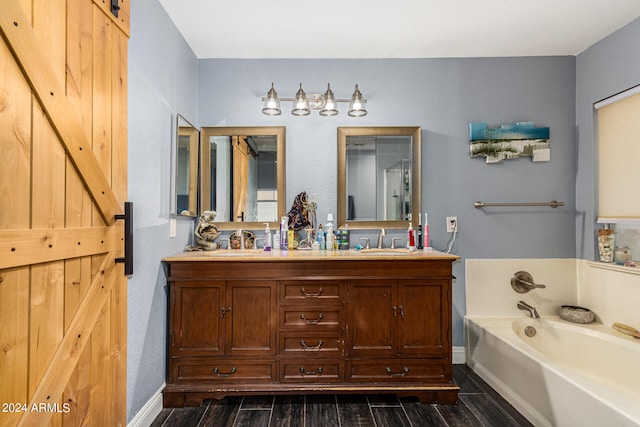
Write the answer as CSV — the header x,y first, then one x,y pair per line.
x,y
398,317
218,318
290,326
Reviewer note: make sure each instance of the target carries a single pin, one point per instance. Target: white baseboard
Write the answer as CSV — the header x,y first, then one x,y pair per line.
x,y
149,411
458,354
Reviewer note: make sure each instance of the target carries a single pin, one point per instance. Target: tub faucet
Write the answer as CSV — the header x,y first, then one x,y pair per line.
x,y
383,233
532,310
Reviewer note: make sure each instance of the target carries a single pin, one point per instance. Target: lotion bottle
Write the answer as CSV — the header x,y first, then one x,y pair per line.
x,y
267,238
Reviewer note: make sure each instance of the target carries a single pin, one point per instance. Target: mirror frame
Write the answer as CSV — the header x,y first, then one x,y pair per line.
x,y
194,145
205,170
416,174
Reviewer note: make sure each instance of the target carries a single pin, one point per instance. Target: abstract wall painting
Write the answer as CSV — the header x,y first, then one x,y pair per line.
x,y
510,141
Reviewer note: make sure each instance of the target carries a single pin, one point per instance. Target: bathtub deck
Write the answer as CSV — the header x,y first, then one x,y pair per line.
x,y
478,405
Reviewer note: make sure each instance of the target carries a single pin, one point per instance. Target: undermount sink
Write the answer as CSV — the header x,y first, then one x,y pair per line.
x,y
385,252
235,252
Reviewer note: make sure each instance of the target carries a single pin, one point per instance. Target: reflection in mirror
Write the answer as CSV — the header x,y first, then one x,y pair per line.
x,y
186,168
242,175
378,176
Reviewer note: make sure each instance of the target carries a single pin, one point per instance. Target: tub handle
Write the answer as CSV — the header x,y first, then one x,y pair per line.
x,y
522,282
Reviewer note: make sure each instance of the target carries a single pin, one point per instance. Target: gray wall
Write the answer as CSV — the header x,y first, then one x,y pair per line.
x,y
162,82
442,96
606,68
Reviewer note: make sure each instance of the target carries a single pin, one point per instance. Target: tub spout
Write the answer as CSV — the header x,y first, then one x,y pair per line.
x,y
532,310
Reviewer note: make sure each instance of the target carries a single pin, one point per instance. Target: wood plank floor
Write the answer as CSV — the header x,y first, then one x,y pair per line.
x,y
478,405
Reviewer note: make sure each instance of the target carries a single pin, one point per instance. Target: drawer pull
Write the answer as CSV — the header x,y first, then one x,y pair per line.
x,y
311,294
304,345
311,321
399,374
233,371
303,372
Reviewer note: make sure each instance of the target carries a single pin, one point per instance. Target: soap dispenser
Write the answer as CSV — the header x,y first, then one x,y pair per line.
x,y
267,238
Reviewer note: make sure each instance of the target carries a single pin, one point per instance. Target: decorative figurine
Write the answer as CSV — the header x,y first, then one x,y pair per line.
x,y
206,233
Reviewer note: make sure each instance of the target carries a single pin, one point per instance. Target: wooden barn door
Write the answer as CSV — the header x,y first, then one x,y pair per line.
x,y
63,179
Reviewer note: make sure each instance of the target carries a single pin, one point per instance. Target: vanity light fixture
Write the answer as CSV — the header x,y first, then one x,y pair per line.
x,y
303,103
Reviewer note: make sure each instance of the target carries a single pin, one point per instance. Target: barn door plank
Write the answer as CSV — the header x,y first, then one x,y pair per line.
x,y
23,42
66,356
34,246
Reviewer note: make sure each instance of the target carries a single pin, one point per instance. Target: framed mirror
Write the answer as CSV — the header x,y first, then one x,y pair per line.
x,y
186,168
379,176
242,175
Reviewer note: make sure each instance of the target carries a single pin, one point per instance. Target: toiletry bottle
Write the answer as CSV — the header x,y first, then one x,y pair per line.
x,y
267,238
290,238
419,242
284,228
330,232
321,240
276,239
411,236
344,238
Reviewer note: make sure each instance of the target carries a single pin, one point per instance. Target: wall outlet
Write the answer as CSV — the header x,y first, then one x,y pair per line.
x,y
452,224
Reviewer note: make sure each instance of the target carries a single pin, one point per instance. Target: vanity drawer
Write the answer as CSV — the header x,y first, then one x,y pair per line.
x,y
401,370
312,370
312,319
224,371
311,344
312,291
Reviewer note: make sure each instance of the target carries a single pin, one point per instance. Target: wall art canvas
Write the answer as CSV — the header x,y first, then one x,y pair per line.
x,y
510,141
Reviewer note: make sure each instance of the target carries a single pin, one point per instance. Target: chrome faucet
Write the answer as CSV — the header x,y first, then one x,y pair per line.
x,y
367,244
383,233
532,310
240,234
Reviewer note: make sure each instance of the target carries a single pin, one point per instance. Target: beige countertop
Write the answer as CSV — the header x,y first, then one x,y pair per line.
x,y
308,255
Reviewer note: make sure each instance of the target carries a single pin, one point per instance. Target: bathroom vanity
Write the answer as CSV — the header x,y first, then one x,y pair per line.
x,y
303,322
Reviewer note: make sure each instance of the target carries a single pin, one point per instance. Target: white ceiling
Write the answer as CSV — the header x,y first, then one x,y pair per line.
x,y
395,29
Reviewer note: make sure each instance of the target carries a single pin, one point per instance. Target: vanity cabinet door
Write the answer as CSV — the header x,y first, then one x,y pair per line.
x,y
197,320
371,322
423,317
251,318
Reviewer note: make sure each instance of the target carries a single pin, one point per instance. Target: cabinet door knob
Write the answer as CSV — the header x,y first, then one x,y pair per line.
x,y
231,372
310,294
401,311
223,311
399,374
304,345
304,372
311,321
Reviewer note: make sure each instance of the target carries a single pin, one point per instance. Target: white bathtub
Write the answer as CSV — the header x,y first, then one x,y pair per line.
x,y
567,375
